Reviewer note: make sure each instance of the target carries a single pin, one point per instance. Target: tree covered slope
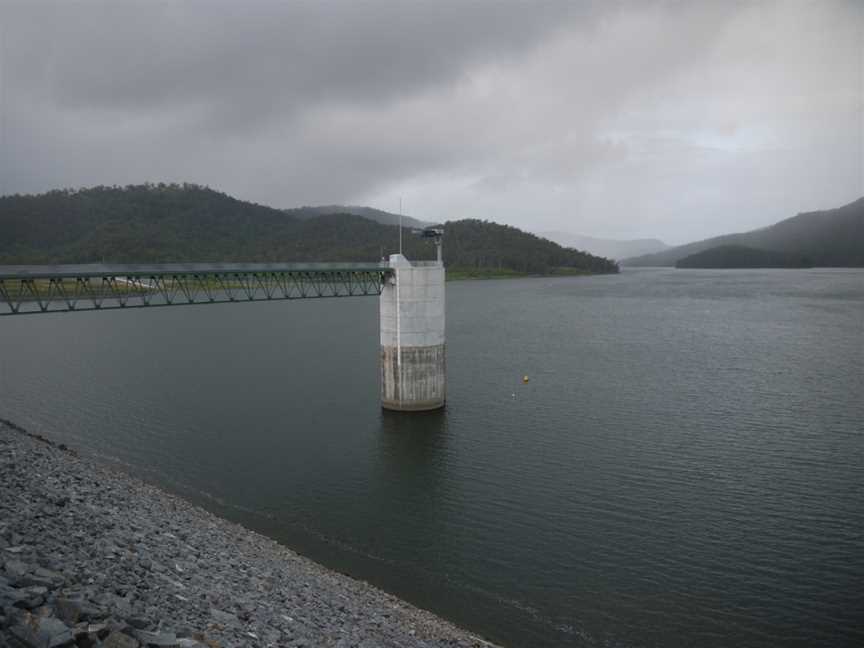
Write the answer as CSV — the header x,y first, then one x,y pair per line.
x,y
185,223
740,256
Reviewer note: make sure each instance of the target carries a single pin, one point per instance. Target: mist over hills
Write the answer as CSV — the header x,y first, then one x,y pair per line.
x,y
184,223
831,237
609,248
377,215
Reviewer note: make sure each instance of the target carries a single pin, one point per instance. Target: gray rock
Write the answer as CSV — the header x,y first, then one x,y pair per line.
x,y
139,623
39,590
16,569
42,632
80,632
17,549
87,635
92,612
68,609
120,640
224,617
31,597
62,640
47,577
32,579
118,626
186,642
162,639
28,636
10,595
98,630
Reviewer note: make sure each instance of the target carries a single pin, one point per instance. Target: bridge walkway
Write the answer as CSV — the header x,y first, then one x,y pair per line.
x,y
28,289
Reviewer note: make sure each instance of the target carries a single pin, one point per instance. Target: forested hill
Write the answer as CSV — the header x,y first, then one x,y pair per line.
x,y
480,244
832,237
739,256
186,223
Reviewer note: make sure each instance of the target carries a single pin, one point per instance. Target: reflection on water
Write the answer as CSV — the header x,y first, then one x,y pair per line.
x,y
412,459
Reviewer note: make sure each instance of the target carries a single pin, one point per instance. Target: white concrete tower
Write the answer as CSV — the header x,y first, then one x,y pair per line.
x,y
413,365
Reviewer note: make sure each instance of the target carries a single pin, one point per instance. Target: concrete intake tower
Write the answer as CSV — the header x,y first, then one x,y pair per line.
x,y
413,364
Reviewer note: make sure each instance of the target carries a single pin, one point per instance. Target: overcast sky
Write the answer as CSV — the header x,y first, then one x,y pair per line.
x,y
676,120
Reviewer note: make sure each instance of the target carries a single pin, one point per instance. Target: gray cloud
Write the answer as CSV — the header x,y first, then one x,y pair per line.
x,y
622,119
241,63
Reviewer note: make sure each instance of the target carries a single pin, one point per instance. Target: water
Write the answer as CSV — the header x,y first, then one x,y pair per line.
x,y
685,466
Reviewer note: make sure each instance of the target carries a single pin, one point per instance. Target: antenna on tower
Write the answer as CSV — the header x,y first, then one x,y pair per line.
x,y
400,224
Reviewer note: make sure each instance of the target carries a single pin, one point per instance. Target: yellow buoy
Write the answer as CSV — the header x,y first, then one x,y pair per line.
x,y
524,379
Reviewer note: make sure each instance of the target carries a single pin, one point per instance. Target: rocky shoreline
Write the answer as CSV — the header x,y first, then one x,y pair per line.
x,y
90,556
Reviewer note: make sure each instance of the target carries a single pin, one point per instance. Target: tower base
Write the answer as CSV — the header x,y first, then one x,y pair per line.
x,y
418,383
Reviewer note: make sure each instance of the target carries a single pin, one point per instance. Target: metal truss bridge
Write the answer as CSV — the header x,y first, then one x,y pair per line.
x,y
66,288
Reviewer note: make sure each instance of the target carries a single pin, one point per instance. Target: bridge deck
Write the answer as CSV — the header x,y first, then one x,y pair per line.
x,y
57,288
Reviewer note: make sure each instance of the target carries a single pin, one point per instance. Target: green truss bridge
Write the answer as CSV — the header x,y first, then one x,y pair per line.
x,y
66,288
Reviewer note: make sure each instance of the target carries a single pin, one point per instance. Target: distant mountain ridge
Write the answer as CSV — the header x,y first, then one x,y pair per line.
x,y
828,238
377,215
163,223
609,248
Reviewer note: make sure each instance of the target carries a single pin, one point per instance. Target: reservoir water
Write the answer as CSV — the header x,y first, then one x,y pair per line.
x,y
685,466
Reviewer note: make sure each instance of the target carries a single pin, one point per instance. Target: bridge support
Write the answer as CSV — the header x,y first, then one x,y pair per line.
x,y
413,376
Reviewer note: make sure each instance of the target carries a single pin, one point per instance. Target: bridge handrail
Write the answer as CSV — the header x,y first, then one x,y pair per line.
x,y
146,270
